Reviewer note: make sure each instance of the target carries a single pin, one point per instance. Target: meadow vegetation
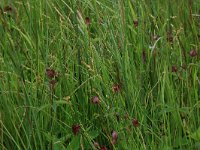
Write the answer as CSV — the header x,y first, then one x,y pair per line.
x,y
99,74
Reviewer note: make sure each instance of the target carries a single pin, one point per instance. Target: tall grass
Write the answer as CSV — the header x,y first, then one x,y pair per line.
x,y
138,58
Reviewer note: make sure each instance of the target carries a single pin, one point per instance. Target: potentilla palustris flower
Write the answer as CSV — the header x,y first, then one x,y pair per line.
x,y
135,123
51,73
193,53
76,129
95,100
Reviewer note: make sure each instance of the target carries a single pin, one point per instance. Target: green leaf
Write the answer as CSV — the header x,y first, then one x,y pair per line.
x,y
74,144
196,135
93,134
58,146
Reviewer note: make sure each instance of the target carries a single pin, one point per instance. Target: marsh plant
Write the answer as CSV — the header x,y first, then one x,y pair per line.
x,y
99,74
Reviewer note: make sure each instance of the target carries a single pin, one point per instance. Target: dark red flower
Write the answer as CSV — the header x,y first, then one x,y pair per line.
x,y
193,53
75,129
103,148
116,88
135,123
95,100
174,69
135,22
87,21
51,73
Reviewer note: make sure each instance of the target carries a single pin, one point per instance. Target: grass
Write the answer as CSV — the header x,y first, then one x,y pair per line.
x,y
97,74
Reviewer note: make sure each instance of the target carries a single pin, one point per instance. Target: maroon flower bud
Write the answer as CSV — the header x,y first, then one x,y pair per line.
x,y
193,53
135,22
75,129
135,123
95,100
103,148
116,88
174,69
51,73
87,21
